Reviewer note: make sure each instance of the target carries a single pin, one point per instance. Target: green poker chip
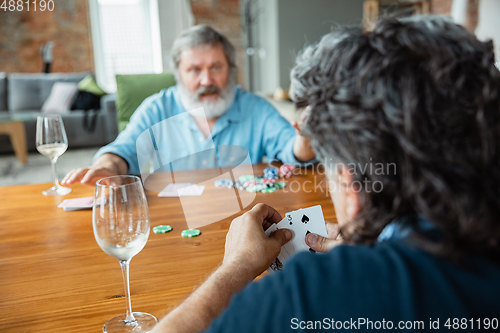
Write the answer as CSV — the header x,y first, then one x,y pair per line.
x,y
245,178
252,189
269,190
190,233
280,184
162,229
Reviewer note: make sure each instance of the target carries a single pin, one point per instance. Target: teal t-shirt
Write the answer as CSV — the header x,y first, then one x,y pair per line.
x,y
359,288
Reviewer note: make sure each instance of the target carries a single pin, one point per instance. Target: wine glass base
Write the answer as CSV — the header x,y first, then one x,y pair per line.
x,y
144,322
57,191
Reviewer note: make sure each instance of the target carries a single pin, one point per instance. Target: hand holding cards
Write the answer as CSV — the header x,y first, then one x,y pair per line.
x,y
300,222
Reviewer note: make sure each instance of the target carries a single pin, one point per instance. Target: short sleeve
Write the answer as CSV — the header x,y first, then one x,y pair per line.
x,y
278,137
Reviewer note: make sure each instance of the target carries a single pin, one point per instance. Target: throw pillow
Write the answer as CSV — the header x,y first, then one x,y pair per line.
x,y
89,84
131,90
60,98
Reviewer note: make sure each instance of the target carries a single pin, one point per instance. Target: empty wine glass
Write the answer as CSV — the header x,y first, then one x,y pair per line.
x,y
52,142
120,219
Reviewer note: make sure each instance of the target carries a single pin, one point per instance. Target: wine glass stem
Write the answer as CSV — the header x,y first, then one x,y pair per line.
x,y
53,161
124,264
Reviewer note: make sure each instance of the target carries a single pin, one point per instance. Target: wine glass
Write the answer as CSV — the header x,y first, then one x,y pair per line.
x,y
120,219
52,142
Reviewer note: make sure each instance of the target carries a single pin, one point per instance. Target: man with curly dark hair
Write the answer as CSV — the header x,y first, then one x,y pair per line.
x,y
421,251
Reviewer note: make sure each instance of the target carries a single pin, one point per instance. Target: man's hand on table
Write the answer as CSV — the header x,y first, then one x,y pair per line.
x,y
105,166
248,252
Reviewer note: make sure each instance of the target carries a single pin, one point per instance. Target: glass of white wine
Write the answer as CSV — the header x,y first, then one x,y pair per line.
x,y
52,142
120,219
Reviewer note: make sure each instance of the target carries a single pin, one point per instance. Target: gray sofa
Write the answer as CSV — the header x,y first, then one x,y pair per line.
x,y
22,96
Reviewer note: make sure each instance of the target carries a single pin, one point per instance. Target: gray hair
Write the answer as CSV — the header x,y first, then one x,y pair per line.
x,y
199,35
423,95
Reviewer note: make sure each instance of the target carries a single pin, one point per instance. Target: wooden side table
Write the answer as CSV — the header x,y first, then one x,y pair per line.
x,y
17,134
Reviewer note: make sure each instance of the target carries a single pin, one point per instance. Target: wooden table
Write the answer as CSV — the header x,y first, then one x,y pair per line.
x,y
55,278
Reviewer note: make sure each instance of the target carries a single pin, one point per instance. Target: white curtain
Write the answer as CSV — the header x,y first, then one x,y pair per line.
x,y
459,11
175,16
488,26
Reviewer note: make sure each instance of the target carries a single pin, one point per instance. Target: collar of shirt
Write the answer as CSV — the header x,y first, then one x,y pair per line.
x,y
401,229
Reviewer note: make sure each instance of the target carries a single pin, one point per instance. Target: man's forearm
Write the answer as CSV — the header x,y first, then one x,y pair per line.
x,y
206,303
302,149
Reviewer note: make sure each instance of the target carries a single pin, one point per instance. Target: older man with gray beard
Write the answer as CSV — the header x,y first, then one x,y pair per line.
x,y
204,63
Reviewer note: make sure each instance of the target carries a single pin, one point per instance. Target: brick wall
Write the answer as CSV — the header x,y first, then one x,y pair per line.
x,y
223,15
22,33
443,7
68,26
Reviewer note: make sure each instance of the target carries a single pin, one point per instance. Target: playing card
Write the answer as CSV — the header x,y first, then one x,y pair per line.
x,y
269,231
278,263
300,222
182,190
192,190
77,204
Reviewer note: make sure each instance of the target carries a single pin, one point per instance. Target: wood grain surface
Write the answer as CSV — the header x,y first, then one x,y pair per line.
x,y
55,278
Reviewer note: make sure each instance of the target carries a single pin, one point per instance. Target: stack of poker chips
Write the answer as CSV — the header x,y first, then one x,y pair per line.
x,y
286,171
271,173
267,183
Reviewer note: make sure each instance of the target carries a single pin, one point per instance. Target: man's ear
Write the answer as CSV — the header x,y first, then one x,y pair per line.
x,y
352,203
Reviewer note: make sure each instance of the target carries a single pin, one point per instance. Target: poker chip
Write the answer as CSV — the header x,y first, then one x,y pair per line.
x,y
236,184
260,187
252,188
190,233
286,171
162,229
266,183
271,173
249,183
245,178
280,184
271,170
222,182
269,190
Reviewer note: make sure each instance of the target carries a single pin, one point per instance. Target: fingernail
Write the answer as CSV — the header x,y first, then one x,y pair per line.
x,y
311,238
288,234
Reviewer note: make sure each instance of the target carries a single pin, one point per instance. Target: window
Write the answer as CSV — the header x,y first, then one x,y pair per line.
x,y
126,39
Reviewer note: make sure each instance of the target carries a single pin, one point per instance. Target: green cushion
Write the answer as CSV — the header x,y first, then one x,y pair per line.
x,y
131,90
88,84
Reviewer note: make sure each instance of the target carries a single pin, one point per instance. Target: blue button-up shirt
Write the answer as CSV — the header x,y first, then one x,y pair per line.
x,y
161,126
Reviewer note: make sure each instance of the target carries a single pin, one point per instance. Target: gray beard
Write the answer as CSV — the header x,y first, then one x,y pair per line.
x,y
211,109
